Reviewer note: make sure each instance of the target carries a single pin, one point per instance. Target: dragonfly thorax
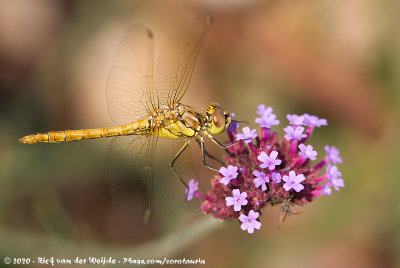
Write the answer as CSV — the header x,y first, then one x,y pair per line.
x,y
177,122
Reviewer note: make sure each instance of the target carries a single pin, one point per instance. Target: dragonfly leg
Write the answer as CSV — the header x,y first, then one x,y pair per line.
x,y
203,154
210,155
176,158
223,146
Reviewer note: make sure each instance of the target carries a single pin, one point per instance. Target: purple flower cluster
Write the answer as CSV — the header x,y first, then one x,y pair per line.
x,y
265,170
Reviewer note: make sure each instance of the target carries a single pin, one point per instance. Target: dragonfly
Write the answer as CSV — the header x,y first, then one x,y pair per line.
x,y
145,103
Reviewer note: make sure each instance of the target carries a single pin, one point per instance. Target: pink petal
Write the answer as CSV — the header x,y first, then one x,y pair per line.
x,y
243,218
298,187
287,187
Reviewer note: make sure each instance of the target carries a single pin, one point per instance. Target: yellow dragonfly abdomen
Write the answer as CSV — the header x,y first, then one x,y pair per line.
x,y
141,127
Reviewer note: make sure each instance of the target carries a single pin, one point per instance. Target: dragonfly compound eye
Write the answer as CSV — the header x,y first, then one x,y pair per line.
x,y
218,122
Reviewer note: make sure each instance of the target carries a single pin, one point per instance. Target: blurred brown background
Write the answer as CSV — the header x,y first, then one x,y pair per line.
x,y
336,59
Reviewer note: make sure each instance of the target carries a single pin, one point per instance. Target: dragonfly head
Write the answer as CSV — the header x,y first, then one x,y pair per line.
x,y
217,119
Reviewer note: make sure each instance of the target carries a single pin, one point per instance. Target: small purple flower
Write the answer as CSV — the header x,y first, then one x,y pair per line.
x,y
332,171
267,120
234,124
250,222
247,135
336,183
269,161
192,189
326,189
237,200
260,180
295,119
334,177
294,133
276,177
333,154
314,121
293,181
307,152
228,174
262,110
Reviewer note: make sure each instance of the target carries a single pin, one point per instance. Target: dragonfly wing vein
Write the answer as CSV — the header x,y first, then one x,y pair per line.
x,y
178,56
130,85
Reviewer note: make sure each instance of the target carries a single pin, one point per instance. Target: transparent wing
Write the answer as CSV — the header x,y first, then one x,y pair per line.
x,y
129,177
177,57
130,86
